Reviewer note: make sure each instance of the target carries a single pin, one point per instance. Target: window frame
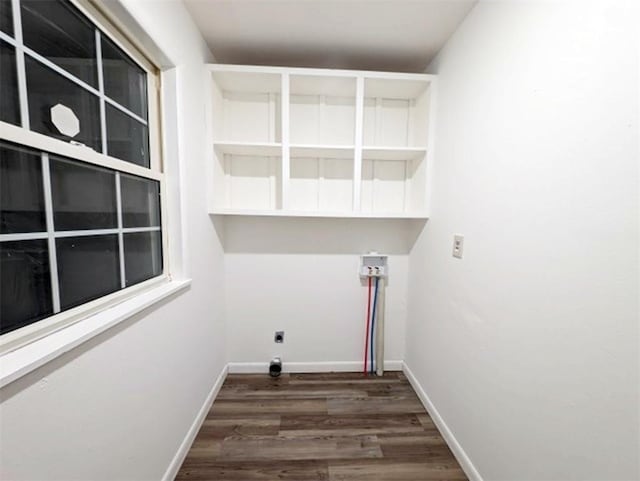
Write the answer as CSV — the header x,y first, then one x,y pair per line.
x,y
46,145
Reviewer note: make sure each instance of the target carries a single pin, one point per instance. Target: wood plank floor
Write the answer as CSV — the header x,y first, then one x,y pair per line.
x,y
334,427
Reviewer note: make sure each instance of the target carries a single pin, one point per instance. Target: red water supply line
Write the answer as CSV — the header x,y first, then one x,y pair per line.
x,y
366,342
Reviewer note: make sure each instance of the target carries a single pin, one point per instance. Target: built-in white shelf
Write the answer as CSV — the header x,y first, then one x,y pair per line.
x,y
248,148
285,213
323,151
322,109
246,106
396,112
298,142
393,153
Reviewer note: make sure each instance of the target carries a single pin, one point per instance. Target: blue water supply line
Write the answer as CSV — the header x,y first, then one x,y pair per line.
x,y
373,321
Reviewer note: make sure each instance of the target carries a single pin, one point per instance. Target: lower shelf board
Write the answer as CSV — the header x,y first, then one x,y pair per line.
x,y
345,215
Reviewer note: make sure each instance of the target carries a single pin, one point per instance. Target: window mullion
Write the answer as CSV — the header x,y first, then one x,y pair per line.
x,y
133,230
125,110
6,38
41,59
103,114
154,246
61,234
23,236
123,283
20,67
18,135
53,257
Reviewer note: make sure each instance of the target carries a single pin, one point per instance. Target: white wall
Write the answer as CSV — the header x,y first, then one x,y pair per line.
x,y
528,346
118,407
317,299
301,276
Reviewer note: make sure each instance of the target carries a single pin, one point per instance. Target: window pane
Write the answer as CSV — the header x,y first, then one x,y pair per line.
x,y
57,31
88,268
47,89
127,139
9,99
124,81
21,191
142,256
140,202
6,19
25,284
84,196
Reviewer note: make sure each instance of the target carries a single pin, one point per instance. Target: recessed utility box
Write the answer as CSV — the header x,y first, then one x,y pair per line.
x,y
373,265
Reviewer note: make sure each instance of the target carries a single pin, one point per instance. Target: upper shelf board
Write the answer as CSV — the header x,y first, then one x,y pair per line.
x,y
232,81
323,151
394,88
322,85
393,153
289,213
249,148
309,81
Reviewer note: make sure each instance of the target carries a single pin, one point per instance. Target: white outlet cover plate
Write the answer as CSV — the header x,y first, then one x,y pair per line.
x,y
458,245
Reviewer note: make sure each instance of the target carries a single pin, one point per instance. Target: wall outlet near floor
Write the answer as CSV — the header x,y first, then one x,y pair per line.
x,y
458,245
278,337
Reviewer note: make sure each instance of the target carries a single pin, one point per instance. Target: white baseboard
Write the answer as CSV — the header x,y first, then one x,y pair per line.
x,y
344,366
178,459
465,463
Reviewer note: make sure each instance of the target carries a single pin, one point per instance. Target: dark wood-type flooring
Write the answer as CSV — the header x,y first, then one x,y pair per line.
x,y
303,427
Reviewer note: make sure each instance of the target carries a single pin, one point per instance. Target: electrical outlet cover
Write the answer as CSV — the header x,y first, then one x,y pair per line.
x,y
458,246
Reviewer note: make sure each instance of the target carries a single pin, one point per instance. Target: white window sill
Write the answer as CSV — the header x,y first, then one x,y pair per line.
x,y
15,364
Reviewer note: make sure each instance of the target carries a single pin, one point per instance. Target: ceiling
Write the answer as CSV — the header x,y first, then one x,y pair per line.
x,y
392,35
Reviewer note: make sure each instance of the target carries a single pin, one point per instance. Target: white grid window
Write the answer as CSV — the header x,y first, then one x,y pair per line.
x,y
80,177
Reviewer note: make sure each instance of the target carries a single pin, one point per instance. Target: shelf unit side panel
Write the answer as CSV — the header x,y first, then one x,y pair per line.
x,y
285,163
358,138
429,160
419,125
215,165
417,185
219,189
216,115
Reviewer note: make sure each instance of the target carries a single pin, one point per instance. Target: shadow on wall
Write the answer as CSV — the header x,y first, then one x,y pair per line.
x,y
308,235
